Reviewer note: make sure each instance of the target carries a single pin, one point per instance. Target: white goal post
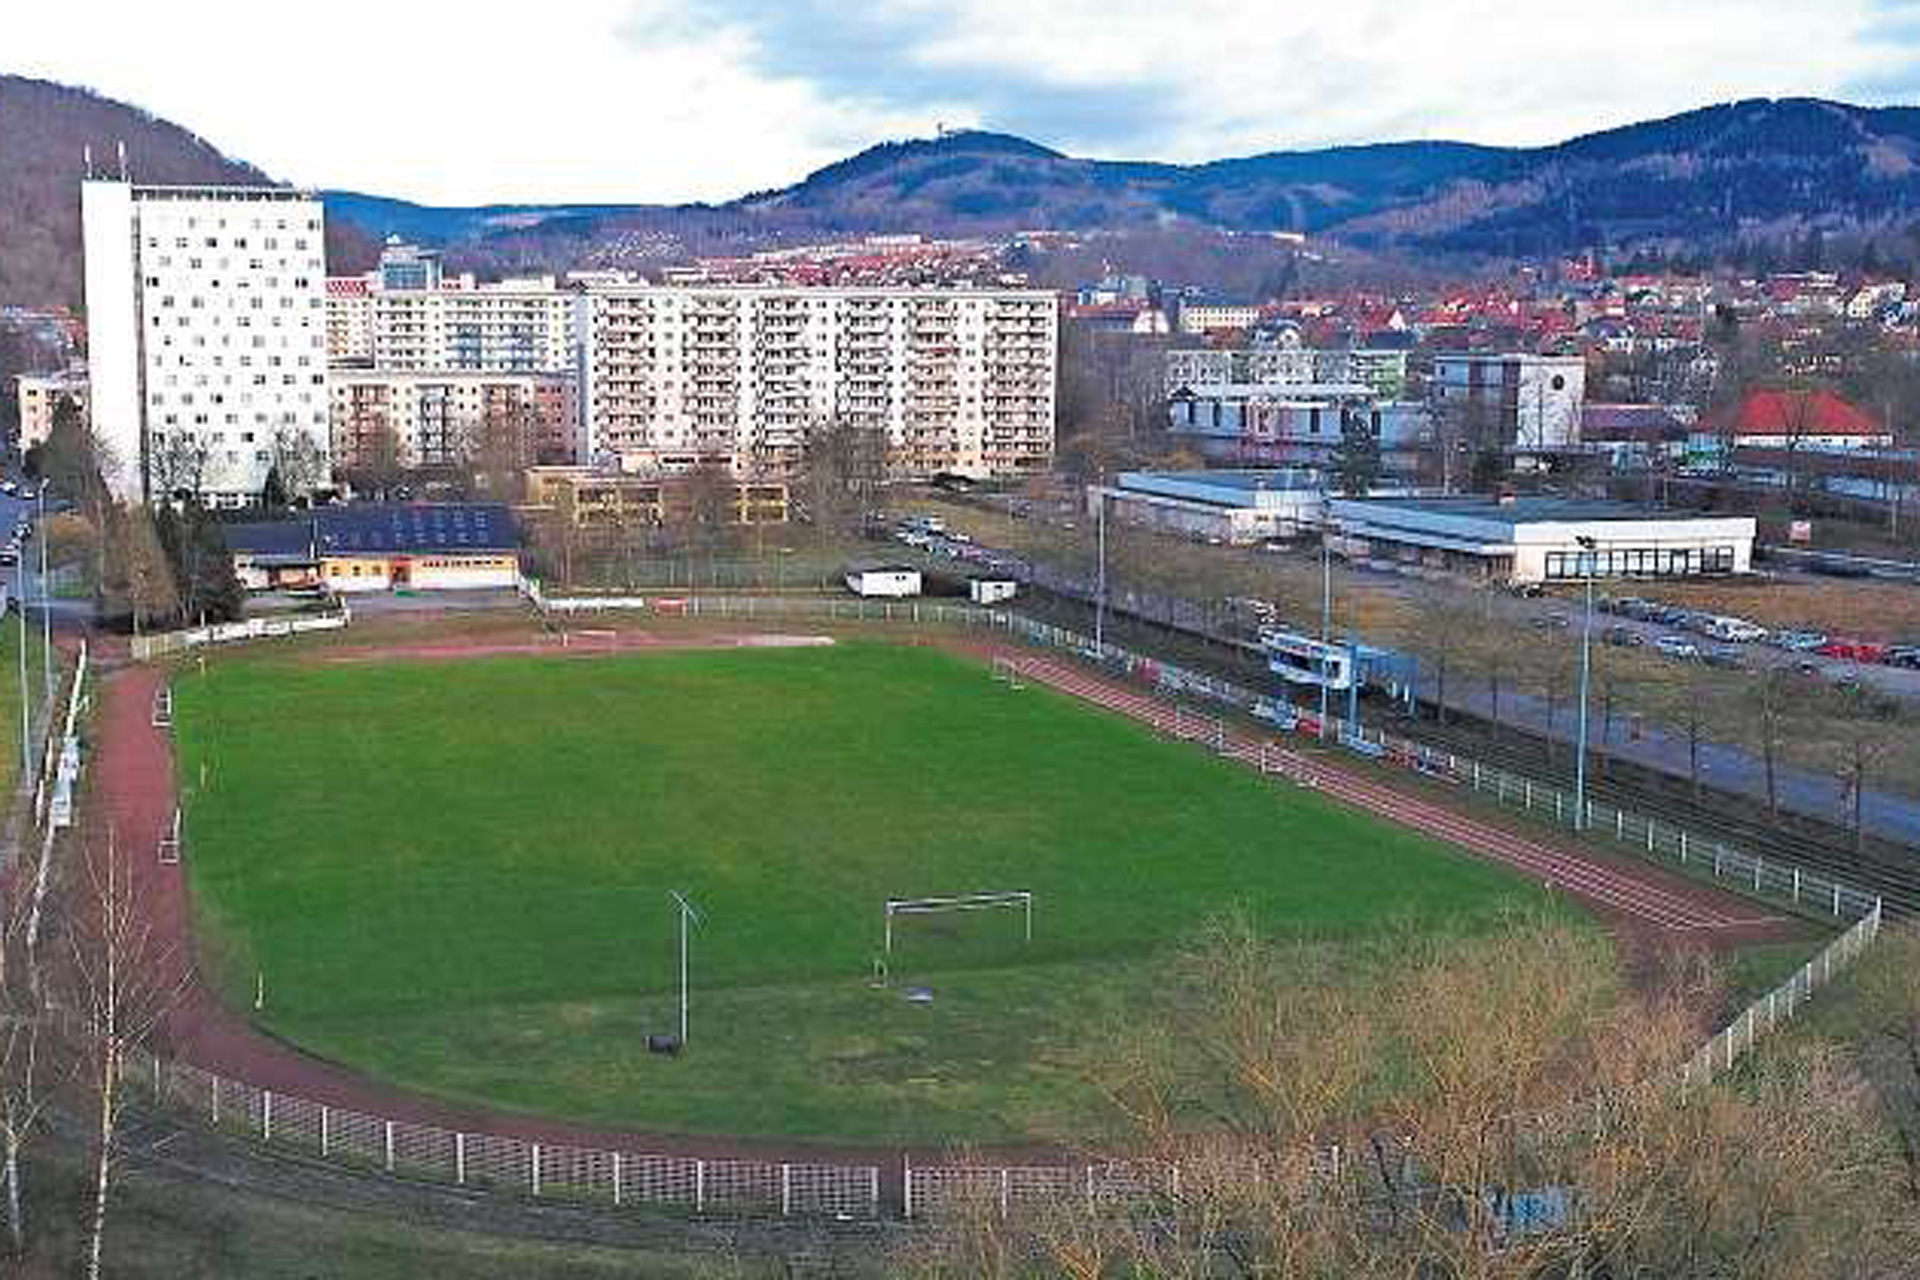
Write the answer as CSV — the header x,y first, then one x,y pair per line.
x,y
1021,899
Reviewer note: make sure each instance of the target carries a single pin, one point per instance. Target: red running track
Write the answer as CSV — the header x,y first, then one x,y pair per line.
x,y
1646,896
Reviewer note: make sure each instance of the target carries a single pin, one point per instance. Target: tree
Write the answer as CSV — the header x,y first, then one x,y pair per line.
x,y
28,1078
1357,465
300,463
121,981
842,473
138,580
273,492
1502,1109
177,467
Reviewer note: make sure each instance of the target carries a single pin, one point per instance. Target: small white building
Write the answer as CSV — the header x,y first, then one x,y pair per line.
x,y
991,590
1237,507
1531,402
888,580
1528,540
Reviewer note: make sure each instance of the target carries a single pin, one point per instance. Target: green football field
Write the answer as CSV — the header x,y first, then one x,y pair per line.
x,y
456,876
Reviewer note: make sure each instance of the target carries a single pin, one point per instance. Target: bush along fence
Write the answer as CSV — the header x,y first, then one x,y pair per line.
x,y
499,1163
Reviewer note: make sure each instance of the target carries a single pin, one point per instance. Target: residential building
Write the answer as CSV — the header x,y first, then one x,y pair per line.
x,y
1298,424
40,395
1202,318
206,318
383,418
955,380
1287,363
1529,403
588,498
1531,540
1234,507
1815,421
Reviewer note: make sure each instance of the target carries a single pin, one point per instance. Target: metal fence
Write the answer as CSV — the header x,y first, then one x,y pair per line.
x,y
1782,1003
501,1163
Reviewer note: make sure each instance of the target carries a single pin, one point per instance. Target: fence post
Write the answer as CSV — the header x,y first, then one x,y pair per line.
x,y
1529,795
1683,852
1836,897
1683,846
1006,1189
460,1158
266,1115
389,1127
1619,824
326,1129
1759,865
906,1186
699,1186
786,1190
873,1189
616,1179
1796,884
213,1082
533,1166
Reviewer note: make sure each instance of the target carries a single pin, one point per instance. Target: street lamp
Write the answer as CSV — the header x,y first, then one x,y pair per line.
x,y
1587,546
1100,604
1326,618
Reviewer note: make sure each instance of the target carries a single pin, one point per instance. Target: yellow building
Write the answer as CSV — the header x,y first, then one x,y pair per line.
x,y
587,498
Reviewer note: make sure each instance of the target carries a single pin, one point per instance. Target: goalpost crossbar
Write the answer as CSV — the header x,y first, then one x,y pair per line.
x,y
1020,898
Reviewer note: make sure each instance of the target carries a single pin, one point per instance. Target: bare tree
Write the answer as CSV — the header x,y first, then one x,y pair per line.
x,y
27,1076
301,462
122,981
177,467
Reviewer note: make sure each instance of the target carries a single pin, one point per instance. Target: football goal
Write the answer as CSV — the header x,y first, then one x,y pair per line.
x,y
1007,671
1019,900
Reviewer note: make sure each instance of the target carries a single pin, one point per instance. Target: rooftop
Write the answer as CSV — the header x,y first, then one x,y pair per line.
x,y
1249,481
379,528
1530,510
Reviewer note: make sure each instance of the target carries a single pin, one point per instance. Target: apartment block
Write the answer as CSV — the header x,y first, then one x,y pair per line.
x,y
384,418
40,395
1529,402
408,315
957,380
206,311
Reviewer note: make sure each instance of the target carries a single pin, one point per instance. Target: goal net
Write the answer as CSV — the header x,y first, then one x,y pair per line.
x,y
955,933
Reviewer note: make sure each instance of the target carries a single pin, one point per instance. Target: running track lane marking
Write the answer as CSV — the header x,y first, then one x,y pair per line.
x,y
1624,893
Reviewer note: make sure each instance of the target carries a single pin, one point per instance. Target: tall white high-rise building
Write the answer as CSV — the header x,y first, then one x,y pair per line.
x,y
953,379
207,334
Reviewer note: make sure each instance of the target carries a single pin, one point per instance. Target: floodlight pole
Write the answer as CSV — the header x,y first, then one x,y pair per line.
x,y
46,600
1326,619
26,732
687,915
1586,669
1100,604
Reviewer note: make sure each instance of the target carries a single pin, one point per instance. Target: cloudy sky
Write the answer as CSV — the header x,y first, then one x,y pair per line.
x,y
572,100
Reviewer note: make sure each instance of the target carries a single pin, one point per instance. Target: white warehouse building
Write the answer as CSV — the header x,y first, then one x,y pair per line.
x,y
1540,540
206,325
1236,507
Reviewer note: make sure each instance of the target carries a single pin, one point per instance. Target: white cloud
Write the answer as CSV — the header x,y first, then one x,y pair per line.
x,y
685,99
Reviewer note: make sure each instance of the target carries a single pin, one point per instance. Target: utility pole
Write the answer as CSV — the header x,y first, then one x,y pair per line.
x,y
1586,667
688,916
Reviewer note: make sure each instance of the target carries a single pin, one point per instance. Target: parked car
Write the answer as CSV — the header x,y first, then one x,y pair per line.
x,y
1904,655
1677,647
1725,659
1800,641
1853,650
1550,622
1623,637
1736,630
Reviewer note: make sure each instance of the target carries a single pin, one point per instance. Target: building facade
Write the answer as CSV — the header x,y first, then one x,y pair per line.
x,y
1232,507
1287,364
39,397
1299,425
1527,402
1536,540
587,498
207,334
954,380
384,419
